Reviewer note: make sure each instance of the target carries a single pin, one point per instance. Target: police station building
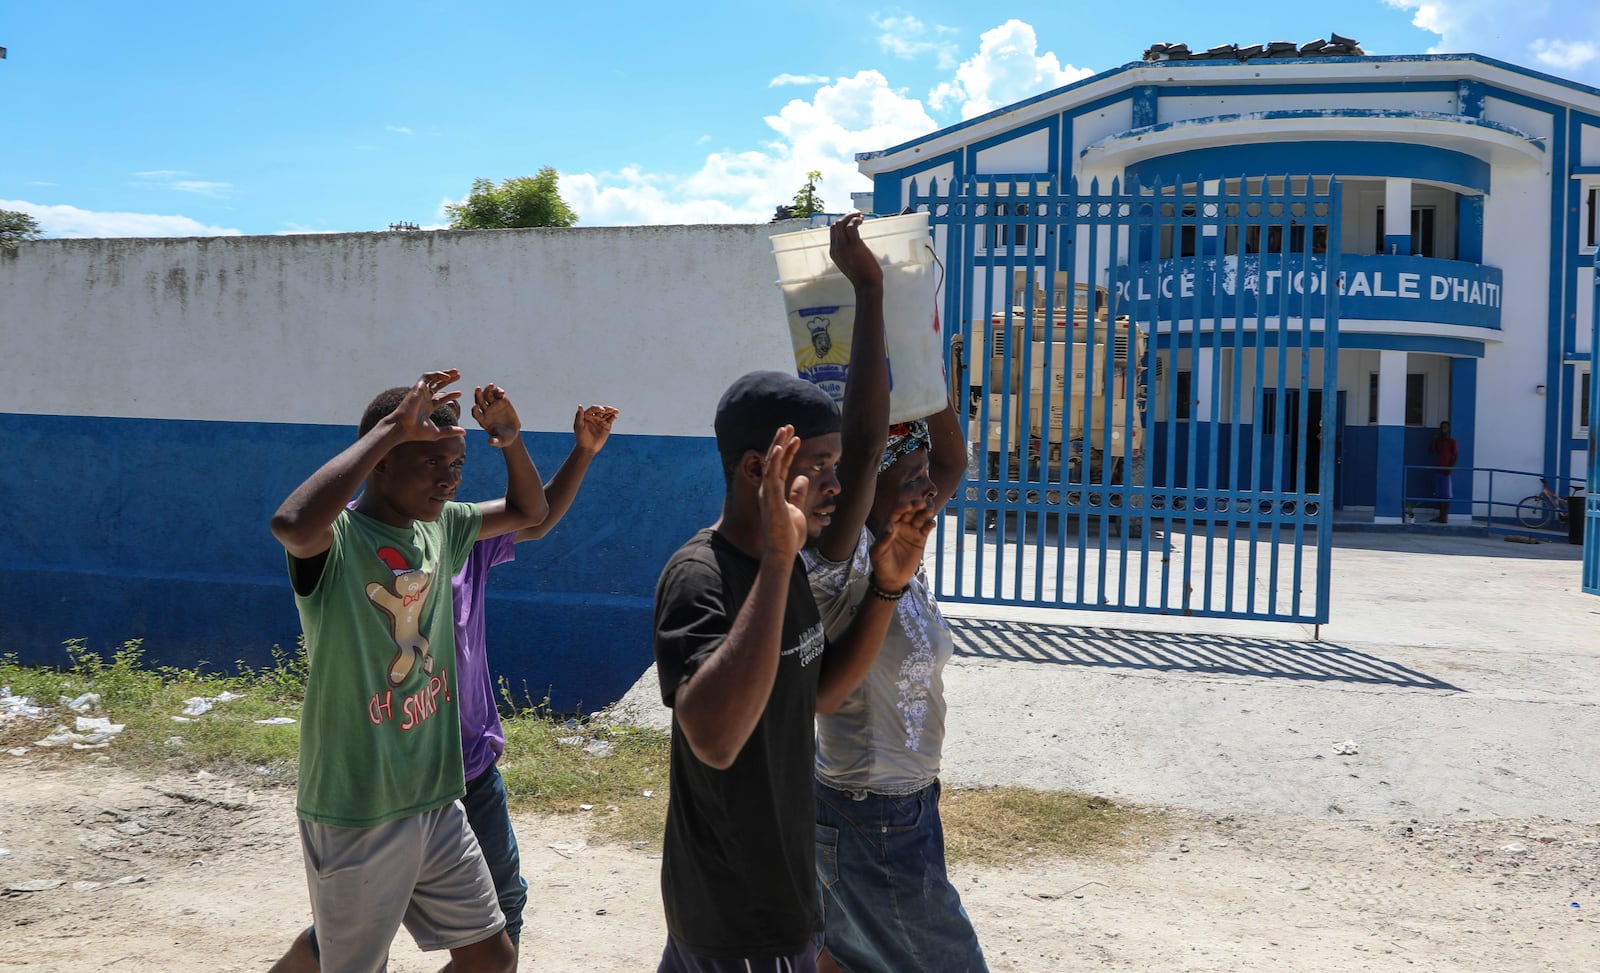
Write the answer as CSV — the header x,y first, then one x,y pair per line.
x,y
1466,231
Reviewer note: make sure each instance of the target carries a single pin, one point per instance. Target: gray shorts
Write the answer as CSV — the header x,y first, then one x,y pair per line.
x,y
424,871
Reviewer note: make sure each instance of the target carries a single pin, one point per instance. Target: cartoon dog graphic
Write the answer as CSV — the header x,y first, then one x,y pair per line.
x,y
403,605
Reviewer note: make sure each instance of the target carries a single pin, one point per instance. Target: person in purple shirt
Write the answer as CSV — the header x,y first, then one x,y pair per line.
x,y
483,740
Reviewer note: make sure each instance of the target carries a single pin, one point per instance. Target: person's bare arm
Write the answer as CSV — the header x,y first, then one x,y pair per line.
x,y
591,428
719,706
524,504
303,523
947,455
864,418
895,559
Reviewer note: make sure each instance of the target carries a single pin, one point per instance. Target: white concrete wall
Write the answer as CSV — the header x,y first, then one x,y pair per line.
x,y
1516,238
1091,127
1027,153
1589,145
304,329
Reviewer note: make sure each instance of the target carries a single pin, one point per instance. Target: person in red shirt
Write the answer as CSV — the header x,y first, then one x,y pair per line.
x,y
1445,453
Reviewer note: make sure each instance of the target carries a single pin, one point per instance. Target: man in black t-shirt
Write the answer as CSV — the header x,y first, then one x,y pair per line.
x,y
743,662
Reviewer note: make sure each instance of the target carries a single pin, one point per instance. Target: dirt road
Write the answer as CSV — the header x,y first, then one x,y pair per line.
x,y
138,875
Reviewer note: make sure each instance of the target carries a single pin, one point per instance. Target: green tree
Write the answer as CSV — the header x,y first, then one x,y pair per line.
x,y
522,201
16,227
806,202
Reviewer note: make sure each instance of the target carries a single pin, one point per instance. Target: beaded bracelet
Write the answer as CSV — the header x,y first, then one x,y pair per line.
x,y
884,595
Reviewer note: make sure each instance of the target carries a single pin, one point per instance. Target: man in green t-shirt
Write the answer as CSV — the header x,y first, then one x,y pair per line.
x,y
384,840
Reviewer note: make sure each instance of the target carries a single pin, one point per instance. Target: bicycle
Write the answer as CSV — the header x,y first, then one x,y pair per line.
x,y
1537,511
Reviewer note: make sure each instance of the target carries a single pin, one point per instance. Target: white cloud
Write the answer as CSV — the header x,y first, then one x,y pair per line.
x,y
846,116
1564,55
72,222
1561,36
908,38
398,129
217,189
798,79
1006,69
856,114
172,179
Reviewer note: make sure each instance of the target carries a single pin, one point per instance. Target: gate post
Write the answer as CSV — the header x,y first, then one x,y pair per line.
x,y
1591,511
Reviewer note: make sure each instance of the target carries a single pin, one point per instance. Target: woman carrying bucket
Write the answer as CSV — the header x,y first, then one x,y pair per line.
x,y
879,837
888,903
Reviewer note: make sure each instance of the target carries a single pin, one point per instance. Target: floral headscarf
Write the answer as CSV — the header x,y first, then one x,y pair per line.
x,y
904,437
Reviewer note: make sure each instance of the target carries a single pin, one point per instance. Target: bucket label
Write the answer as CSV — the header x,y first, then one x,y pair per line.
x,y
822,346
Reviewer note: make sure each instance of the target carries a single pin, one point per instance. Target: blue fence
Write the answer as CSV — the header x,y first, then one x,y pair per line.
x,y
1105,383
1514,500
1591,529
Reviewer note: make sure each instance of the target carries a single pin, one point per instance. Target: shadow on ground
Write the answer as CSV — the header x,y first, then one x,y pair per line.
x,y
1178,652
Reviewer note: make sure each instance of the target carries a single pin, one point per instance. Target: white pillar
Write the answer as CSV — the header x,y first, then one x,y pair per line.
x,y
1391,388
1205,374
1391,437
1396,212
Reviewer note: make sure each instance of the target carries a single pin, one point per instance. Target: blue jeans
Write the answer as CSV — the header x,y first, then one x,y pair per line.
x,y
887,902
490,818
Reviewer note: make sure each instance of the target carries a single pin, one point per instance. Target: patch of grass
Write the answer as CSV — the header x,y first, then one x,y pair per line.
x,y
145,700
1008,825
555,766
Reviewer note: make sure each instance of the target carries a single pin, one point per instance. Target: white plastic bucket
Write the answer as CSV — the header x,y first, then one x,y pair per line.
x,y
820,305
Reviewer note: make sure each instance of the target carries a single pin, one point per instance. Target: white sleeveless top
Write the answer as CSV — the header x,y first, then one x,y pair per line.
x,y
887,736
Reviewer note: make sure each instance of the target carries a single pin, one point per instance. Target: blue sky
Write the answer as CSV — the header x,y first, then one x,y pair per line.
x,y
190,118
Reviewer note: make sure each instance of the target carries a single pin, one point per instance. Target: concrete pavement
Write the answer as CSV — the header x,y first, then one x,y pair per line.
x,y
1461,671
1459,676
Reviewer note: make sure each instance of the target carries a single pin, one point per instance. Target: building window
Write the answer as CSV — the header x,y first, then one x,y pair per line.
x,y
1372,397
1002,236
1010,235
1274,238
1422,222
1186,232
1589,226
1416,385
1183,391
1585,390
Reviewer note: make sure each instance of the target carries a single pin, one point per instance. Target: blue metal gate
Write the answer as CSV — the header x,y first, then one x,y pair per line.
x,y
1591,511
1150,381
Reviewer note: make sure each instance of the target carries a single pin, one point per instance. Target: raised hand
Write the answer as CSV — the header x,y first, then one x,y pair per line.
x,y
591,427
782,515
851,254
495,413
897,553
414,415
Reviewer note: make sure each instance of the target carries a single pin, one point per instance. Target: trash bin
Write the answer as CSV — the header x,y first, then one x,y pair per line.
x,y
1575,516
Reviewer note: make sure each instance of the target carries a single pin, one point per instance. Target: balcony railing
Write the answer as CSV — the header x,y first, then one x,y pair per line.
x,y
1512,504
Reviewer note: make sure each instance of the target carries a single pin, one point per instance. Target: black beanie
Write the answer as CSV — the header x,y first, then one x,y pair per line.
x,y
756,404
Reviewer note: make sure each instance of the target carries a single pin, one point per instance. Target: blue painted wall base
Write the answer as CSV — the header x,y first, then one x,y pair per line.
x,y
167,542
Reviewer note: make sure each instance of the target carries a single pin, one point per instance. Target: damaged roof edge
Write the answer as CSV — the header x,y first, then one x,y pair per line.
x,y
1130,74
